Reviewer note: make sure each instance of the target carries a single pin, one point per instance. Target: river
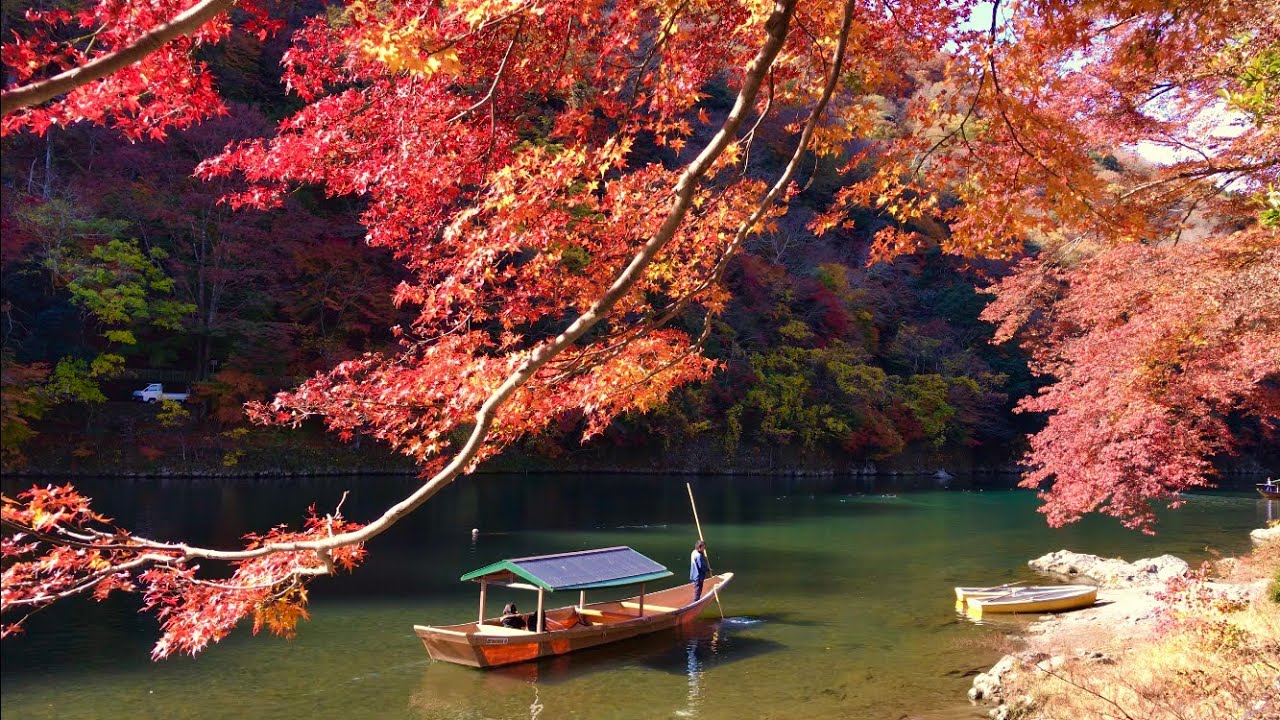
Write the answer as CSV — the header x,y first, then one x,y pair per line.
x,y
841,606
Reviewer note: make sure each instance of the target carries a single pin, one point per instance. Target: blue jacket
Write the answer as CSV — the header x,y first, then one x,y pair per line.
x,y
698,567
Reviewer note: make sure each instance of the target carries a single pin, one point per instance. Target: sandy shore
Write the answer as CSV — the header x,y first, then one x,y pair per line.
x,y
1120,616
1129,614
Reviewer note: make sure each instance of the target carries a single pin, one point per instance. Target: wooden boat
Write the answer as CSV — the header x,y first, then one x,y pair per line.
x,y
1065,597
965,594
488,643
1270,492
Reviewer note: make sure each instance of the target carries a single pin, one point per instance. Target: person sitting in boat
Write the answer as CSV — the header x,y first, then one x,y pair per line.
x,y
531,622
512,618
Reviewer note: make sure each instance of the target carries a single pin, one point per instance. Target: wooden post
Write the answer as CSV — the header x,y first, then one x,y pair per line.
x,y
484,586
541,593
641,599
582,599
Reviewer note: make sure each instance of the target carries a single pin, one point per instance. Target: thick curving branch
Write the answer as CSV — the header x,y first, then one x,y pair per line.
x,y
185,23
779,185
776,28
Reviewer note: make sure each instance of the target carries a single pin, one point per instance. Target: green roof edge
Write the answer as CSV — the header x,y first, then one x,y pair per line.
x,y
510,567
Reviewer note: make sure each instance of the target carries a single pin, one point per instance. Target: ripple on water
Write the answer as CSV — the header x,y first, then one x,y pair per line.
x,y
844,610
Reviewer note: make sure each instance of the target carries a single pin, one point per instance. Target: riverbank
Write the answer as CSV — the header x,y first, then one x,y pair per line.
x,y
1164,642
122,441
310,452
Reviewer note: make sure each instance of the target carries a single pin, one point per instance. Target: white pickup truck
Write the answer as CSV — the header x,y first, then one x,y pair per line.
x,y
155,393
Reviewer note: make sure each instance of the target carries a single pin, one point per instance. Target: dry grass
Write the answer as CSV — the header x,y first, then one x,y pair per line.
x,y
1213,658
1263,562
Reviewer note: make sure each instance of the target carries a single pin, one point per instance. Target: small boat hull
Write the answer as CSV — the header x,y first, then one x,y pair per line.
x,y
1270,493
488,644
1071,598
965,594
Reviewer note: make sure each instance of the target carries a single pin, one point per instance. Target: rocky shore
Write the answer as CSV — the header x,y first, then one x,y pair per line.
x,y
1128,612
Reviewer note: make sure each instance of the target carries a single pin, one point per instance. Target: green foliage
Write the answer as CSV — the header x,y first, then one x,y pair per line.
x,y
795,331
20,403
915,349
1270,204
1257,80
106,365
61,223
73,381
834,277
119,285
1275,587
806,397
172,414
926,396
805,366
575,259
122,285
232,457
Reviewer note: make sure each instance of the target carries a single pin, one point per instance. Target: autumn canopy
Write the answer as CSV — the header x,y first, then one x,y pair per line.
x,y
551,175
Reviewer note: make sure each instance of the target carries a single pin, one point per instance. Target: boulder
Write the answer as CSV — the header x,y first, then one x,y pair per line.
x,y
1017,708
1262,536
1110,572
986,686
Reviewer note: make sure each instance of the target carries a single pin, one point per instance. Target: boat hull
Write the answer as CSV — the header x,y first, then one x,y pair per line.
x,y
1042,602
1272,493
966,594
490,645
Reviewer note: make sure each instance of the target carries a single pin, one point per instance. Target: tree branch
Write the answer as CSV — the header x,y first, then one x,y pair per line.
x,y
776,28
184,23
497,77
833,79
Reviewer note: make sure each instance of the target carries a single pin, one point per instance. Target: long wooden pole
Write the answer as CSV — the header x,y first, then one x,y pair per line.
x,y
698,524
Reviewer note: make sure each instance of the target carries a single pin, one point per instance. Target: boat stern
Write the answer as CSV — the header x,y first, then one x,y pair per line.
x,y
449,646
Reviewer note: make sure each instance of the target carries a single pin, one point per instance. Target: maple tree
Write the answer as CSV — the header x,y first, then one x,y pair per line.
x,y
546,173
1153,350
483,366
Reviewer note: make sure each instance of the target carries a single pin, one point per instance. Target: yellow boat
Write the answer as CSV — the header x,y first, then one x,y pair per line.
x,y
1065,597
965,594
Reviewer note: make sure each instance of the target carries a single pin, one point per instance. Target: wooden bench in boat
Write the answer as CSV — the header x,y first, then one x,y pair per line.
x,y
605,616
647,606
488,629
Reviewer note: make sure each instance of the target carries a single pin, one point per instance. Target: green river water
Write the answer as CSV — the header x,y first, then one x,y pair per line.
x,y
842,605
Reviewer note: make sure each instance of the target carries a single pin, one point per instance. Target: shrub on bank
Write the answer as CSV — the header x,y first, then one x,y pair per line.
x,y
1214,655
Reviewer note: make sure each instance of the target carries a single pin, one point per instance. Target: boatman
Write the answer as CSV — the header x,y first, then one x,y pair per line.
x,y
699,568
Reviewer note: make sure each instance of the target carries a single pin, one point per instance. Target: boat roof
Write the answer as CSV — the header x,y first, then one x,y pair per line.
x,y
582,570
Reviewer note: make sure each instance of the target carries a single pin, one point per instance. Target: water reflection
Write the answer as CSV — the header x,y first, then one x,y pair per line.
x,y
693,667
841,607
694,653
535,707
